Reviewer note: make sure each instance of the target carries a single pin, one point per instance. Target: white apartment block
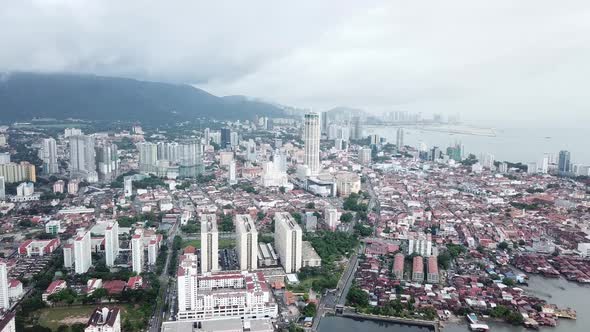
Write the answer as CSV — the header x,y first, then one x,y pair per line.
x,y
288,238
111,238
82,252
209,243
246,242
311,139
4,296
420,243
137,253
222,295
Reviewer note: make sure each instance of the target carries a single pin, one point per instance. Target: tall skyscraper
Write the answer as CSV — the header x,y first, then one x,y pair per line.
x,y
232,177
357,128
564,162
209,243
82,158
2,188
288,241
4,299
107,159
190,156
246,242
399,142
324,123
365,156
225,137
49,156
311,139
251,151
4,158
137,253
82,252
111,239
148,157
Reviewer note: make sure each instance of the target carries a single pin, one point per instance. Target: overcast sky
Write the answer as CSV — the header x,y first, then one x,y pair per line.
x,y
501,62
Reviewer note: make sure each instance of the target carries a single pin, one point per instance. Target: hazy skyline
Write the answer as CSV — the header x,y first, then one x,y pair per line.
x,y
505,63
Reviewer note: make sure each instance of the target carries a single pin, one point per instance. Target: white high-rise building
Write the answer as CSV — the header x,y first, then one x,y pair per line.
x,y
2,188
190,156
209,243
4,296
72,132
221,295
487,160
288,241
111,239
82,252
148,157
82,158
234,139
232,178
107,159
49,156
68,255
137,253
251,151
544,164
420,243
331,217
365,156
128,185
246,242
311,139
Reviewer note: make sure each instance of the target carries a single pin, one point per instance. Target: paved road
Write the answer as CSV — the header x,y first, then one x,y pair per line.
x,y
165,293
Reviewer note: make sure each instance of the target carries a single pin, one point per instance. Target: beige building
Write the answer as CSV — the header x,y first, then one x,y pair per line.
x,y
347,183
13,172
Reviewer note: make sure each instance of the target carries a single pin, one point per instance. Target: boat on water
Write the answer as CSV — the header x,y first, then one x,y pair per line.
x,y
475,325
479,327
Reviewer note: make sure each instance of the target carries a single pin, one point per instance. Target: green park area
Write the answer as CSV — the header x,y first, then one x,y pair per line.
x,y
57,318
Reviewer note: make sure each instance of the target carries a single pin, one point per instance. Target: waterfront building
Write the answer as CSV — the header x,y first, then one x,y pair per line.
x,y
137,253
82,158
111,238
246,242
418,269
432,277
104,320
398,266
68,251
564,162
209,243
82,252
364,156
4,296
311,139
13,172
288,238
399,141
49,156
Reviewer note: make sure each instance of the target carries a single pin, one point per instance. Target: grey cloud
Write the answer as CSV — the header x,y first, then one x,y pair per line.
x,y
525,60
